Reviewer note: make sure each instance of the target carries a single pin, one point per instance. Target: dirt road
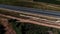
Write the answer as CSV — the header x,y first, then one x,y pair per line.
x,y
33,22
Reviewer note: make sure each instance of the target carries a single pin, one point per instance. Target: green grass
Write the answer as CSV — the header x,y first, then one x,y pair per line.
x,y
17,30
33,29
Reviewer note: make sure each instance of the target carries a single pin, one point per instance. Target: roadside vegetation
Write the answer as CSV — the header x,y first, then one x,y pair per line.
x,y
49,1
28,28
38,5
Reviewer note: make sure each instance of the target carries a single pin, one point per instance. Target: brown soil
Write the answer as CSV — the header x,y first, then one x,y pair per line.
x,y
8,26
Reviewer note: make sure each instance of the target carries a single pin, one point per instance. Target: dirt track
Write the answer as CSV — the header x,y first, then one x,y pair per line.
x,y
8,26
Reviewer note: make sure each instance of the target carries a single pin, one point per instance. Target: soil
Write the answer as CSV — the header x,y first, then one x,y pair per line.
x,y
9,29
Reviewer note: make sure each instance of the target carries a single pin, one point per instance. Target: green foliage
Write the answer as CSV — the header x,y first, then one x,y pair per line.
x,y
49,1
27,28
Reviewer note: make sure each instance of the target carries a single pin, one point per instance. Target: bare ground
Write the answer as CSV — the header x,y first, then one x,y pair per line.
x,y
8,26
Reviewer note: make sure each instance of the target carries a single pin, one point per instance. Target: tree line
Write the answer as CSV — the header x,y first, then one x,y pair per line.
x,y
49,1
